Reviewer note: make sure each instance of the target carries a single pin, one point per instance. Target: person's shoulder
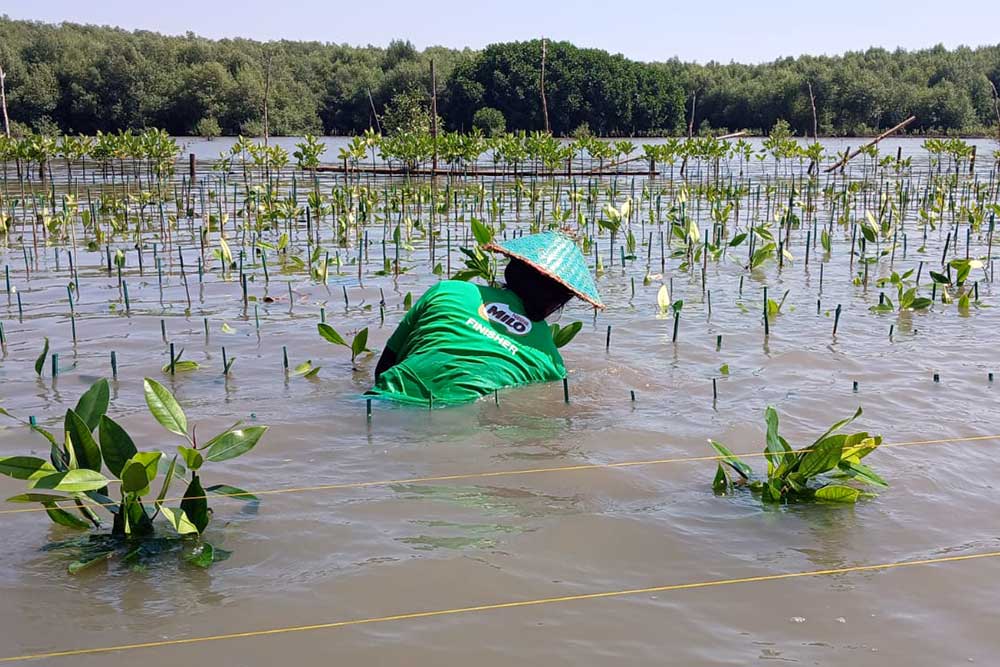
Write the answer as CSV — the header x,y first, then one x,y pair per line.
x,y
461,287
494,293
446,288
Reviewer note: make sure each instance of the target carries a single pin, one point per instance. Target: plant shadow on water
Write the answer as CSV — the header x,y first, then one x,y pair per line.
x,y
493,501
529,438
135,554
471,536
830,528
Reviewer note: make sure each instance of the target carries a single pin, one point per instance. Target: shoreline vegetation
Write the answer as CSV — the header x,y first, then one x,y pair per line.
x,y
82,79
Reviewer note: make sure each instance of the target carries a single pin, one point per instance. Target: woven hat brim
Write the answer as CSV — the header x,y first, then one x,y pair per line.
x,y
493,247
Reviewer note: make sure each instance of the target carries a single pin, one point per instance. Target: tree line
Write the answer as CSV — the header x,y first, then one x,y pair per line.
x,y
72,78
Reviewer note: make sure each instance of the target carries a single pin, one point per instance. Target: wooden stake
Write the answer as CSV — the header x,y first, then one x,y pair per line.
x,y
850,155
434,123
3,102
541,85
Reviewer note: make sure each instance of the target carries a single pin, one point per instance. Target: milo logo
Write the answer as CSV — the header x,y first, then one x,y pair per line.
x,y
514,322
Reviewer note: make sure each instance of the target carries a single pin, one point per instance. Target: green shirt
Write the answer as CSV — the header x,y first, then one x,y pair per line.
x,y
461,341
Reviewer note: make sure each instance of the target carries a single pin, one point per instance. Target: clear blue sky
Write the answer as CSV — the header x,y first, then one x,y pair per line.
x,y
721,30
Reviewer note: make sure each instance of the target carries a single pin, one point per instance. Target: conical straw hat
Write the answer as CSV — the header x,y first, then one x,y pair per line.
x,y
556,256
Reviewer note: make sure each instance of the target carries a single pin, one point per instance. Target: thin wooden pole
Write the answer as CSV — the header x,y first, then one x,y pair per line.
x,y
850,155
267,92
3,102
812,103
996,102
378,125
545,106
434,122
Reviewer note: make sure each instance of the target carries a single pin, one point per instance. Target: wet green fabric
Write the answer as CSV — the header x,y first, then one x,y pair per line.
x,y
462,341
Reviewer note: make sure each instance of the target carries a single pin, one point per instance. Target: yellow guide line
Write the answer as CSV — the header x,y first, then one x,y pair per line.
x,y
491,607
505,473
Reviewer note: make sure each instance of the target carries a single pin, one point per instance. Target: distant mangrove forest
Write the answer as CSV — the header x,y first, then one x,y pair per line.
x,y
71,78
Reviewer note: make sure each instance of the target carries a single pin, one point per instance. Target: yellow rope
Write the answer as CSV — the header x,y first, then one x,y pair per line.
x,y
506,473
491,607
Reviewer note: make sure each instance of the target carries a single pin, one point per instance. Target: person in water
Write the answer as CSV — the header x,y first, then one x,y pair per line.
x,y
462,341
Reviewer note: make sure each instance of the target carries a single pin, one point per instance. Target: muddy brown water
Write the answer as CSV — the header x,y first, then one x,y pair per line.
x,y
333,555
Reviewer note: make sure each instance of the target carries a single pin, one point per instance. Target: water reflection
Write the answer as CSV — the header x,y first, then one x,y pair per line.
x,y
469,536
490,500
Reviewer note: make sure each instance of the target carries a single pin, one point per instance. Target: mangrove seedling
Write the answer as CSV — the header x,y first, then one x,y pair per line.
x,y
906,295
561,336
663,304
73,478
40,361
774,307
479,264
306,369
815,472
357,346
176,364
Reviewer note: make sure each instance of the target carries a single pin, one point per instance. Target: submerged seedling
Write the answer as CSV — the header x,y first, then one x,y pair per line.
x,y
73,479
40,361
906,294
177,365
357,346
561,336
815,472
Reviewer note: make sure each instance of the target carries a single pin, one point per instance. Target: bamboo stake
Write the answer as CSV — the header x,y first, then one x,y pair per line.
x,y
545,106
812,103
3,102
852,154
996,104
434,124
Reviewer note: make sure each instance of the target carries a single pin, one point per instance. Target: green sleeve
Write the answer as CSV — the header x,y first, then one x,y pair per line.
x,y
398,338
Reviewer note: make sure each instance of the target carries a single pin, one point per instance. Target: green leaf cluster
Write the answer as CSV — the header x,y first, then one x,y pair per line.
x,y
820,471
96,454
357,346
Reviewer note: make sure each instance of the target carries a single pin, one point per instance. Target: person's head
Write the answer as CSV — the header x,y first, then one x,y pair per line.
x,y
540,294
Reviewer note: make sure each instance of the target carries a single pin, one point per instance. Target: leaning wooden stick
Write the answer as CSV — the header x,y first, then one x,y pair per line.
x,y
874,141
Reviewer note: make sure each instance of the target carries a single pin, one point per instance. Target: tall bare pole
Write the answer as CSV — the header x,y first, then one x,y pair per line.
x,y
434,119
3,102
694,100
996,102
813,164
843,162
812,103
378,125
545,105
267,92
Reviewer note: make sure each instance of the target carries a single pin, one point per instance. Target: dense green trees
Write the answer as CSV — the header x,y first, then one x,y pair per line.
x,y
489,121
84,79
856,93
612,95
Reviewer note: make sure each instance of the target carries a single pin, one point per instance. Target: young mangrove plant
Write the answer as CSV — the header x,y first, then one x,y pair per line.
x,y
816,472
562,336
357,346
906,294
663,304
478,263
73,479
956,285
